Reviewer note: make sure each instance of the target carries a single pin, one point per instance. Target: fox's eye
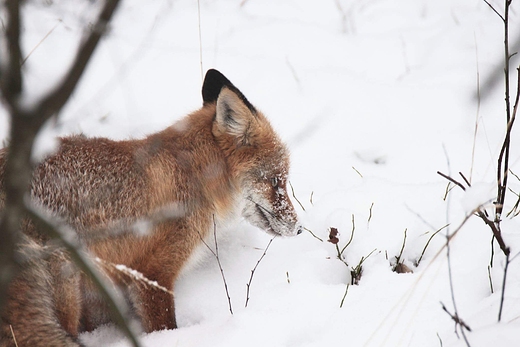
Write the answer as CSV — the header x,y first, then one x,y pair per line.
x,y
274,182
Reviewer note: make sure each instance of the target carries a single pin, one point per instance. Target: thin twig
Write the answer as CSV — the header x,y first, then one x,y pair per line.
x,y
477,116
492,250
295,198
428,242
503,159
370,213
254,269
440,340
39,43
351,236
452,180
357,271
503,288
344,296
359,173
449,187
493,225
494,10
490,279
316,237
217,257
398,258
458,322
465,179
200,41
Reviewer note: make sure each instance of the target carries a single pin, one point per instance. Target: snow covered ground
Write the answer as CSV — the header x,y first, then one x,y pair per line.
x,y
373,97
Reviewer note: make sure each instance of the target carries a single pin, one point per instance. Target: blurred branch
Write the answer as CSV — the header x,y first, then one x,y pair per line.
x,y
118,308
458,323
25,125
495,227
11,83
55,100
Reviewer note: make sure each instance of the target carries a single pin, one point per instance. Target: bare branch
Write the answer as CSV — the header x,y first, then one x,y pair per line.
x,y
465,179
452,180
295,198
351,235
503,289
458,322
11,84
39,43
428,242
344,296
25,125
495,226
254,269
217,257
313,235
56,99
370,213
494,10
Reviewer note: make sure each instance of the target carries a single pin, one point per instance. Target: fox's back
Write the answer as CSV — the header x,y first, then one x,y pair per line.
x,y
98,183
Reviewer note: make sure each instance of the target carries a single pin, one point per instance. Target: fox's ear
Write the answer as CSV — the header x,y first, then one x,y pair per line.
x,y
213,84
233,116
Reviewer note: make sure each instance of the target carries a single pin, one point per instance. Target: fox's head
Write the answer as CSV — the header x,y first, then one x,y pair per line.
x,y
255,154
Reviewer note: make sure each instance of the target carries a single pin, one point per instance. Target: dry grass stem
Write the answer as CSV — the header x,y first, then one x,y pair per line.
x,y
217,257
313,235
12,333
254,269
428,242
295,198
359,173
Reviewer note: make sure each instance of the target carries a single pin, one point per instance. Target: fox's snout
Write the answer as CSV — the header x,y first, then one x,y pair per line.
x,y
272,212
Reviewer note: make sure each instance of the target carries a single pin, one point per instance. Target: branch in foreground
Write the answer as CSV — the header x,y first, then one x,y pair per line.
x,y
57,99
11,84
117,307
25,125
458,322
494,226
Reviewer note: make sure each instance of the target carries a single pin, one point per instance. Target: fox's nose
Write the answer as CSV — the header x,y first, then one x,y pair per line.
x,y
299,230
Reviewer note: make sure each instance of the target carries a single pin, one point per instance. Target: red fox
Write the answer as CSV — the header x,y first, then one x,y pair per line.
x,y
220,161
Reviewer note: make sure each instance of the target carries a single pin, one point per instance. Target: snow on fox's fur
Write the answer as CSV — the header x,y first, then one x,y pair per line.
x,y
221,158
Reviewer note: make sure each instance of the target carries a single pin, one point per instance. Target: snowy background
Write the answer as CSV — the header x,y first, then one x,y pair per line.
x,y
372,97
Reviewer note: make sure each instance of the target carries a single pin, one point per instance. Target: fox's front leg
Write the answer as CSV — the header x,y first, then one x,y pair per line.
x,y
155,307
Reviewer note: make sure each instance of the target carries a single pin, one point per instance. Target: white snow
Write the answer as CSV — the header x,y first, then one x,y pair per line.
x,y
373,98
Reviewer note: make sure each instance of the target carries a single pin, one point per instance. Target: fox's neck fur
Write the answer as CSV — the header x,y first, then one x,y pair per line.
x,y
215,184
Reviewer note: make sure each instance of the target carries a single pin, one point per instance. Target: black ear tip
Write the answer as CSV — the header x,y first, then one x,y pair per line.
x,y
213,83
